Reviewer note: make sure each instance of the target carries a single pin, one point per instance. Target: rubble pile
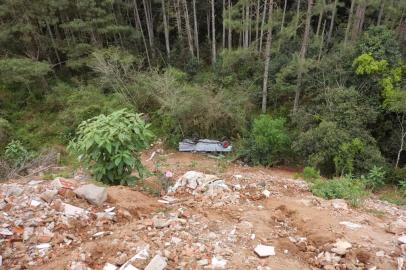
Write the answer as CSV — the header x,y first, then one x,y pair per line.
x,y
202,222
40,216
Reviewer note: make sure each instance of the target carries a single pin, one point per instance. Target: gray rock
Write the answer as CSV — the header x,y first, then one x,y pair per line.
x,y
339,204
92,193
157,263
48,195
341,247
264,251
397,227
13,190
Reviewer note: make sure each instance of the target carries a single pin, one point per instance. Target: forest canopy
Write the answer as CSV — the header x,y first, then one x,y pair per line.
x,y
329,75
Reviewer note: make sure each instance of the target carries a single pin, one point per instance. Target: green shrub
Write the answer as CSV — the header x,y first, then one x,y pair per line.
x,y
310,174
16,153
268,142
344,160
349,189
375,178
5,131
109,146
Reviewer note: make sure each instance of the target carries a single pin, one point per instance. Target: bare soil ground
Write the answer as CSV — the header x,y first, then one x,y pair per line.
x,y
225,226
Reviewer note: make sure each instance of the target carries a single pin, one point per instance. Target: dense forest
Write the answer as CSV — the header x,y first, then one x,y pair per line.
x,y
318,83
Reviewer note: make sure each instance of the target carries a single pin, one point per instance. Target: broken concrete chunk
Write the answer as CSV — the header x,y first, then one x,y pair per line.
x,y
350,225
397,227
339,204
402,239
193,179
109,266
60,183
13,190
157,263
5,232
264,251
218,262
266,193
130,267
341,247
48,195
92,193
73,211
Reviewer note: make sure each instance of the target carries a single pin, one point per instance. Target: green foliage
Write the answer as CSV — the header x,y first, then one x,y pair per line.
x,y
16,153
109,146
380,43
5,131
349,189
268,141
395,196
310,174
375,178
22,70
366,64
344,160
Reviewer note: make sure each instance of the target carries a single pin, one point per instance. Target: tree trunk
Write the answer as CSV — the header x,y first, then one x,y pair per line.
x,y
267,59
320,19
224,26
196,33
283,15
302,54
330,32
401,120
261,36
213,24
382,6
138,24
297,14
166,29
178,20
188,29
257,21
208,21
321,42
359,21
347,30
53,42
149,25
230,39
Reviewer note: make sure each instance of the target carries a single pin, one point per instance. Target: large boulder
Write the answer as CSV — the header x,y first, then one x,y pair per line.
x,y
92,193
193,180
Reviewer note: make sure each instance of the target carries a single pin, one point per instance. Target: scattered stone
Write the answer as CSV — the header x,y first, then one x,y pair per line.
x,y
218,262
203,262
48,195
341,247
157,263
266,193
5,232
402,239
92,193
108,210
193,179
397,227
71,210
264,251
350,225
380,253
62,183
1,261
13,190
339,204
43,246
130,267
401,262
109,266
160,223
35,203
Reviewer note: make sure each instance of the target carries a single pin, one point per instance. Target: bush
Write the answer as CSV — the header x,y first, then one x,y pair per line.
x,y
109,146
16,154
269,142
344,160
340,188
5,131
375,178
310,174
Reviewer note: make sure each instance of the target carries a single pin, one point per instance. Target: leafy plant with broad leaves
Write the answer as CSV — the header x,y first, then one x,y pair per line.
x,y
110,145
375,178
16,153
